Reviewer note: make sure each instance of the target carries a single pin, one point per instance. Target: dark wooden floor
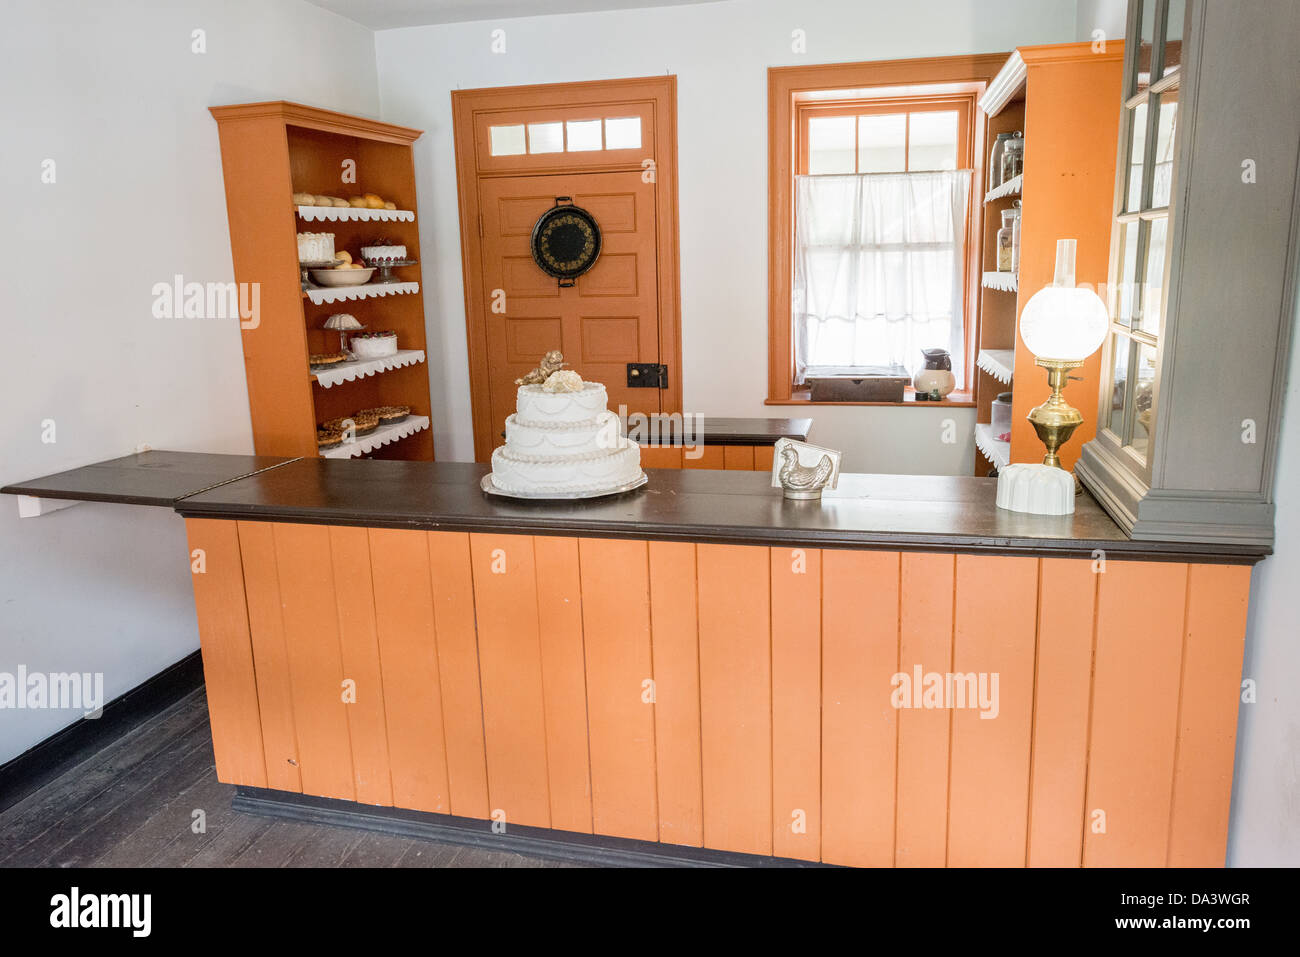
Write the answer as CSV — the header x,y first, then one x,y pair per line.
x,y
132,805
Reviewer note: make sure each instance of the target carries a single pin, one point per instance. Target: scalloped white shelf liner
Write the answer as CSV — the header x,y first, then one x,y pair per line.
x,y
1004,281
381,436
365,291
1010,188
356,370
339,214
999,363
997,452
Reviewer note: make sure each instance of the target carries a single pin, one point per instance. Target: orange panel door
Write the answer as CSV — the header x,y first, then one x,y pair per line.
x,y
606,319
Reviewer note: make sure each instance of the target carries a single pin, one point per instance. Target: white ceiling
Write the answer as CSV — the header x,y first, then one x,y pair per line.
x,y
387,14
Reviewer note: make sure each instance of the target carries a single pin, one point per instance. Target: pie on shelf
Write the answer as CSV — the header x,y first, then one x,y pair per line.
x,y
388,414
326,358
362,422
328,438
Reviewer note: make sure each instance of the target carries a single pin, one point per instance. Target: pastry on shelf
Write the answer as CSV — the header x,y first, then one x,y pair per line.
x,y
373,202
304,199
362,422
316,248
374,345
389,414
328,439
357,202
390,205
326,358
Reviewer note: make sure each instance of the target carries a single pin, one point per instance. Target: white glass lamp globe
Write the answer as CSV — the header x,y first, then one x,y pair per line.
x,y
1063,321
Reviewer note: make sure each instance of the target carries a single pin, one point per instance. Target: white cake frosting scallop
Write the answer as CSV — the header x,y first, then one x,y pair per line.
x,y
564,443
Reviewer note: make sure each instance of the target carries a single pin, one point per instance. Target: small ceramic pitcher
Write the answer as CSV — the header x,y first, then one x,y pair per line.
x,y
937,373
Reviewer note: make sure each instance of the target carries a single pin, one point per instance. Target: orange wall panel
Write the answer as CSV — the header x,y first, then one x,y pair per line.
x,y
270,656
925,640
1140,626
735,697
227,652
993,634
859,724
564,682
796,575
408,651
620,708
1214,641
676,653
510,671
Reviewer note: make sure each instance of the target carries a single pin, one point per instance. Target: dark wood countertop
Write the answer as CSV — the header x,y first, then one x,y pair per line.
x,y
147,478
918,513
713,430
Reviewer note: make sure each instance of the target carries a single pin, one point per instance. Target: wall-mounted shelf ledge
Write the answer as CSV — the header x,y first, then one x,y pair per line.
x,y
992,448
1002,281
366,444
369,290
999,363
354,214
346,372
1010,188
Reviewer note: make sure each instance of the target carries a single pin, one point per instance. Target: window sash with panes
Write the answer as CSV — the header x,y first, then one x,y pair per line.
x,y
904,300
1144,202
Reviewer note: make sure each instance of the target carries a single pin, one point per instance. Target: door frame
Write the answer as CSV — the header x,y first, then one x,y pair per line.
x,y
467,107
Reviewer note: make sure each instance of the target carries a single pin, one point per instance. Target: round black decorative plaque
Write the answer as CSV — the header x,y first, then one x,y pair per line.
x,y
566,241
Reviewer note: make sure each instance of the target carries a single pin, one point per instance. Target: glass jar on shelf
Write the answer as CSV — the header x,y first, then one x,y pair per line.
x,y
995,160
1013,157
1015,237
1004,240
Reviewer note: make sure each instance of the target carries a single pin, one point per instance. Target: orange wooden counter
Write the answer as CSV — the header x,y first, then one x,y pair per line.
x,y
703,664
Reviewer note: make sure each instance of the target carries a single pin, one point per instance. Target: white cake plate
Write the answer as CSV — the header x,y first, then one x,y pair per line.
x,y
490,487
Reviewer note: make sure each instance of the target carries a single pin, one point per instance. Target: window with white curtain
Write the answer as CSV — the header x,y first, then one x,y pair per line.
x,y
881,219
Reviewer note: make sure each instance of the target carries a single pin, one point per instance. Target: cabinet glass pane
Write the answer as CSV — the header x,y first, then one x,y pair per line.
x,y
830,144
1137,153
1126,297
882,143
1173,57
1163,161
1119,391
1147,31
1143,398
1153,277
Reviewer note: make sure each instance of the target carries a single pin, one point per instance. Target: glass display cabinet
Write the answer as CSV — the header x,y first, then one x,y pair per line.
x,y
1202,272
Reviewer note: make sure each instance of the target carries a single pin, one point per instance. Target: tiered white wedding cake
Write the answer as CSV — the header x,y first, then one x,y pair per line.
x,y
563,440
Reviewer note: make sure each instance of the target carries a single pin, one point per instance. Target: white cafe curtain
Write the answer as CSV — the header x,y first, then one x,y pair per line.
x,y
878,269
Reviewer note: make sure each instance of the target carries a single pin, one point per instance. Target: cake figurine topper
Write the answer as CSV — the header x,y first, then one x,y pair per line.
x,y
566,380
552,362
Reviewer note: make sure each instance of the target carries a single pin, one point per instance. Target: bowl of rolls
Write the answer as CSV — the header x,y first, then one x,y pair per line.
x,y
346,273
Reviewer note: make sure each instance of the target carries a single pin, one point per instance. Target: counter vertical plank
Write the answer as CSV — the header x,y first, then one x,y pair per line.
x,y
1140,626
408,654
674,638
735,696
228,669
564,681
462,706
270,656
311,635
925,641
510,669
994,633
796,702
860,594
620,705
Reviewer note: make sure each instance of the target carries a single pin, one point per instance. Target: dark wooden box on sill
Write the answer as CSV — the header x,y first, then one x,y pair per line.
x,y
862,384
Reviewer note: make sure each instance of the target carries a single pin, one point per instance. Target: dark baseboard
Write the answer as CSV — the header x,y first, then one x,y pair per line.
x,y
44,762
595,850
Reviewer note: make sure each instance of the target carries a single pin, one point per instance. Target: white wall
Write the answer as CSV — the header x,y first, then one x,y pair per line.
x,y
1108,16
113,94
720,53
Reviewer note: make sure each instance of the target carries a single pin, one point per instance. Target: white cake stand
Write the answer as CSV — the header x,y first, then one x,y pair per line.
x,y
490,487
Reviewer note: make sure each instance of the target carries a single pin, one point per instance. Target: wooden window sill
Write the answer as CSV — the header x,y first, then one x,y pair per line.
x,y
955,400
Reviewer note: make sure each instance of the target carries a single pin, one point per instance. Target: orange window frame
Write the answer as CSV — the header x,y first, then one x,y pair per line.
x,y
795,94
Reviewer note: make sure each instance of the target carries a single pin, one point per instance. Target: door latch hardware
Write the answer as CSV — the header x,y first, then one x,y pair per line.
x,y
647,375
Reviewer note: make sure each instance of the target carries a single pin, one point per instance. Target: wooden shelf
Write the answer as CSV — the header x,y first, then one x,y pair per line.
x,y
999,363
354,214
1002,281
1010,188
367,291
993,449
347,371
366,444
